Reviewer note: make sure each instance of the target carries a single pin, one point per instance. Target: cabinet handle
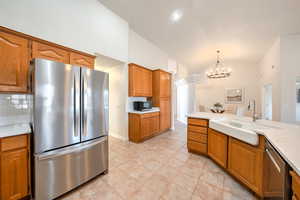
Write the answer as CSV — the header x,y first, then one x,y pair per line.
x,y
273,160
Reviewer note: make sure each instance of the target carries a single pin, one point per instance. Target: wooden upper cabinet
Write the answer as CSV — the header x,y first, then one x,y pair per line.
x,y
161,85
217,147
245,162
165,84
14,63
140,81
40,50
81,60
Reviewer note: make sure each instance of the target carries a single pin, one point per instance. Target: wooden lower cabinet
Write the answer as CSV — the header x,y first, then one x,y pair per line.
x,y
245,162
197,135
217,147
143,126
295,185
14,168
149,126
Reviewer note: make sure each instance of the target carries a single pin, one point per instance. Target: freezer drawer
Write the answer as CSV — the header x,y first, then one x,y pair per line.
x,y
60,171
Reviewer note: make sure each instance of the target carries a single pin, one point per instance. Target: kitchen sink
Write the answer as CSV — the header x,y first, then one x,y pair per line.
x,y
249,125
244,130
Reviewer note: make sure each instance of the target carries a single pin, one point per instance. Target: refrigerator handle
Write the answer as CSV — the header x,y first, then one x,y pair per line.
x,y
74,108
76,149
83,106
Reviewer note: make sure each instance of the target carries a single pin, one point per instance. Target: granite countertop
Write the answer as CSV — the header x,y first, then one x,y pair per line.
x,y
285,137
14,129
154,109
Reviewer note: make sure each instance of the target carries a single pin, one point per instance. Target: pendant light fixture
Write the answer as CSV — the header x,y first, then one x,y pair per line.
x,y
219,71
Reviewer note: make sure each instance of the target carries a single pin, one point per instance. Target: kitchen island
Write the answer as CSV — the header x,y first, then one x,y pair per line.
x,y
243,155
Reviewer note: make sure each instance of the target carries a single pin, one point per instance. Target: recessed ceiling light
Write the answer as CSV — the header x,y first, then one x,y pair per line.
x,y
176,15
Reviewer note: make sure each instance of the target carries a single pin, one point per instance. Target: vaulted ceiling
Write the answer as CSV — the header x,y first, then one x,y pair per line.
x,y
242,29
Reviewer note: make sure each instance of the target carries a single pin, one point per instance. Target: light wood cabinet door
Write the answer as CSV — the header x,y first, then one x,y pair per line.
x,y
14,63
147,79
40,50
295,184
245,162
165,84
149,126
165,114
81,60
217,147
140,81
14,174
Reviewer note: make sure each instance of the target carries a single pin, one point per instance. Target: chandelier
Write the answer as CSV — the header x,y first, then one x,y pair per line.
x,y
219,71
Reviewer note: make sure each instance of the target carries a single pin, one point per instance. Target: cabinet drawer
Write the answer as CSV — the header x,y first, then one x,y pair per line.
x,y
198,122
196,146
197,129
295,183
197,137
14,142
147,115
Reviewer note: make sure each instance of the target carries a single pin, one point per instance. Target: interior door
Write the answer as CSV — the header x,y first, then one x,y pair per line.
x,y
94,104
56,105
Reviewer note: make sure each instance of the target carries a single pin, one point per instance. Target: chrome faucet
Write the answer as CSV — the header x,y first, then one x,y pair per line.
x,y
254,117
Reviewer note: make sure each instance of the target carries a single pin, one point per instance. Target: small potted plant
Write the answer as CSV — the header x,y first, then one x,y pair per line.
x,y
217,108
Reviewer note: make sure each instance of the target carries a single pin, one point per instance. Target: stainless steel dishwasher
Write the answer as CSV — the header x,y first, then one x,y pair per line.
x,y
277,182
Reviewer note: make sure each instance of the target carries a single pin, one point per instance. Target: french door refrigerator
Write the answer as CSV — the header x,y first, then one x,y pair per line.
x,y
70,125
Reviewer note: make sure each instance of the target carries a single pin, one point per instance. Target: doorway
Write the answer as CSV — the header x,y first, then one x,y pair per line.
x,y
182,102
267,102
298,100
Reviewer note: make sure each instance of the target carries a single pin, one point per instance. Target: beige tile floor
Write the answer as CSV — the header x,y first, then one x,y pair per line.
x,y
162,169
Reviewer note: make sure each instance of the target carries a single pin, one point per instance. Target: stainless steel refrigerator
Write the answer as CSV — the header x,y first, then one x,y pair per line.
x,y
70,125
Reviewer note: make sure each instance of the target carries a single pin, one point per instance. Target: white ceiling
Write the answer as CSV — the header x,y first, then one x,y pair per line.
x,y
242,29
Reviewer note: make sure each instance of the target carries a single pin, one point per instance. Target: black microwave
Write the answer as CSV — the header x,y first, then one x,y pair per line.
x,y
142,105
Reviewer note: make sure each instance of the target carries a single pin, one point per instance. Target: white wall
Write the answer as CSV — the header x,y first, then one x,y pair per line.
x,y
244,75
84,25
270,73
145,53
290,65
118,118
284,56
88,26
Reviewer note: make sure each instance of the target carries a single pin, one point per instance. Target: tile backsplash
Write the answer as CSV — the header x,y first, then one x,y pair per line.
x,y
15,108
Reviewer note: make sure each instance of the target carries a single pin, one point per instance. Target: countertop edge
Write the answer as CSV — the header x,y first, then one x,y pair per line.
x,y
144,112
14,130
